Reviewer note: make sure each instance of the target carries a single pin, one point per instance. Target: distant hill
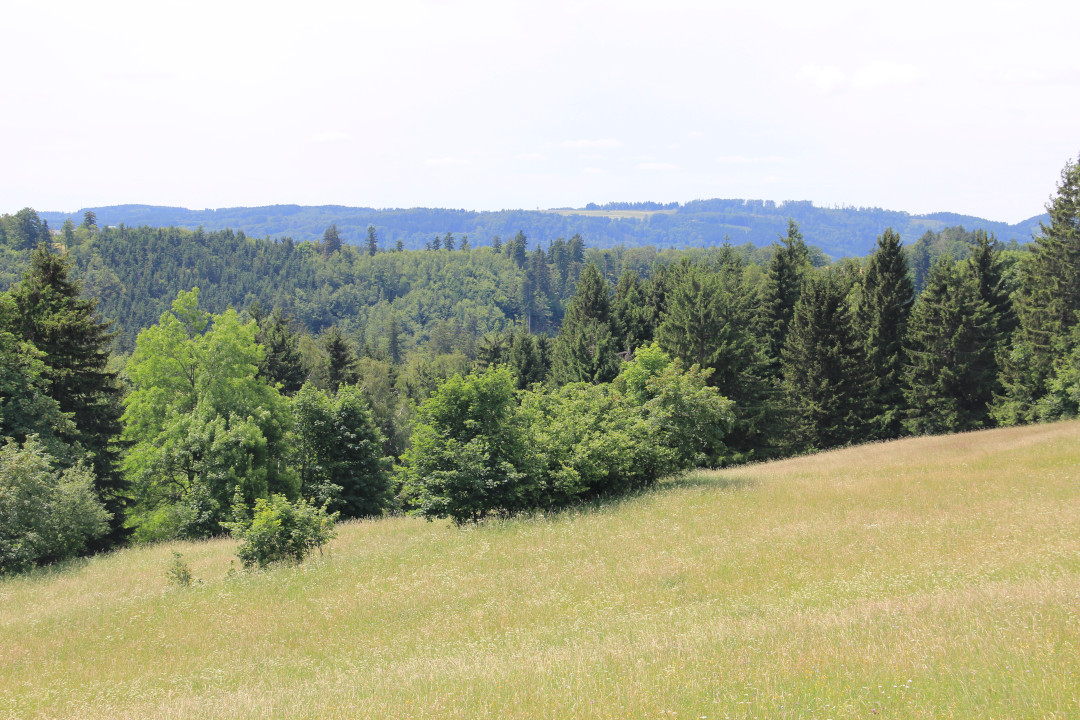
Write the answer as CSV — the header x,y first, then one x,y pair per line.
x,y
840,232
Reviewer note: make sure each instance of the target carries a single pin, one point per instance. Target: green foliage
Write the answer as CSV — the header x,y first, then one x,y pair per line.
x,y
1047,304
783,286
469,454
202,426
585,350
281,531
178,573
823,362
881,316
53,315
339,452
46,514
949,379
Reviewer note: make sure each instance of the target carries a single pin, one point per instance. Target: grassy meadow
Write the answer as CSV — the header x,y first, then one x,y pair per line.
x,y
925,578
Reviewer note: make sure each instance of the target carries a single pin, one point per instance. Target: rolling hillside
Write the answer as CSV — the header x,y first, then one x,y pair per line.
x,y
840,232
924,578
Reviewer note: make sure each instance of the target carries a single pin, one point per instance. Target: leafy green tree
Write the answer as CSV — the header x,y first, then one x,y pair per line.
x,y
339,452
55,317
90,221
205,431
949,378
585,350
1047,304
881,317
823,369
46,514
468,453
282,531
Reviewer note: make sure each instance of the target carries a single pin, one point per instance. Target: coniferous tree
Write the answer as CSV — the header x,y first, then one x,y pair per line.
x,y
585,350
881,317
629,313
1047,304
341,369
949,378
372,241
707,322
823,369
282,362
448,241
783,285
331,241
56,319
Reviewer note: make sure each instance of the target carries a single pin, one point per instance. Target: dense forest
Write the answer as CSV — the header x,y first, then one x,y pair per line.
x,y
161,382
839,232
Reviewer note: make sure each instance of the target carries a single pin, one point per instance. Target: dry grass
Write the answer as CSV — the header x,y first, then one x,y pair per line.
x,y
614,214
926,578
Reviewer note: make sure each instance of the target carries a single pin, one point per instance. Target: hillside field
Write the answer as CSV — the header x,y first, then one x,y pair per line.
x,y
924,578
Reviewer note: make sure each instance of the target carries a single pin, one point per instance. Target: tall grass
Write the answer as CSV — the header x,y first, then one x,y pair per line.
x,y
935,577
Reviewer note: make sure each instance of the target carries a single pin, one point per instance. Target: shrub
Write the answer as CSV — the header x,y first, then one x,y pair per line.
x,y
281,531
45,515
179,573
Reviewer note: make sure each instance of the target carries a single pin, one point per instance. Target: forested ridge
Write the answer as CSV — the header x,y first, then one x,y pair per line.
x,y
838,231
162,382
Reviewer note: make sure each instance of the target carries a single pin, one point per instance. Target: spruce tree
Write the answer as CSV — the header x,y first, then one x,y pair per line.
x,y
949,378
881,321
331,241
783,285
629,313
372,241
823,369
341,368
55,318
1047,303
585,350
282,363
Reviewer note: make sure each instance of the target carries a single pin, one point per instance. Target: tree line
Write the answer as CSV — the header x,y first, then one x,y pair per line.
x,y
606,370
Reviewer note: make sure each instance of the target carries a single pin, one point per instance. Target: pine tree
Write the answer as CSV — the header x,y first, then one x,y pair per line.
x,y
823,369
629,313
1047,304
881,317
58,321
949,378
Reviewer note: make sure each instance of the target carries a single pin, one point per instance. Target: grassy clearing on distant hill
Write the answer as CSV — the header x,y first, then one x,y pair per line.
x,y
614,214
926,578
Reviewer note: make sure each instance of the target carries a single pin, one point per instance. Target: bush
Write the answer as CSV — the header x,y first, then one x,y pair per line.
x,y
45,515
281,531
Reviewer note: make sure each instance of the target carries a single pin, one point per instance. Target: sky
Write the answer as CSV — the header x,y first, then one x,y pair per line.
x,y
971,108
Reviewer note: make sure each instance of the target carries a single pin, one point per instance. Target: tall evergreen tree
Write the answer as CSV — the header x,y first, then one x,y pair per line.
x,y
823,369
64,325
282,362
1047,304
342,359
949,378
372,241
629,313
585,350
783,285
881,316
331,241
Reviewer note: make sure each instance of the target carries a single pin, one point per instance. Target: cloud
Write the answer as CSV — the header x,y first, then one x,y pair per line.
x,y
592,171
446,161
599,144
880,73
746,160
695,134
656,166
331,136
530,156
1024,77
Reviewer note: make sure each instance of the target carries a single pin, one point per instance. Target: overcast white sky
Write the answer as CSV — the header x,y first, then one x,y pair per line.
x,y
489,104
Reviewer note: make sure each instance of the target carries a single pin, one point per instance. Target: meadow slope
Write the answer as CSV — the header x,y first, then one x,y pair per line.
x,y
924,578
